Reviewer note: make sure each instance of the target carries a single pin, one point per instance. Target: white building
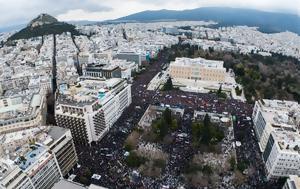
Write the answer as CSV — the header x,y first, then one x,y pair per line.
x,y
198,69
22,110
92,106
293,182
276,126
45,155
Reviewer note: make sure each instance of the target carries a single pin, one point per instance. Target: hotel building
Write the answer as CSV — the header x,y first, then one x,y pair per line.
x,y
276,124
36,158
92,106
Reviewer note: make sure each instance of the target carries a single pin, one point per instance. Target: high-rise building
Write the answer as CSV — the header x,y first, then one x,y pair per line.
x,y
92,106
276,124
62,146
293,182
36,157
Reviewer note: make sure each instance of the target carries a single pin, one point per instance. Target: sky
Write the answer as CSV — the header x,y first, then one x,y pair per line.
x,y
14,12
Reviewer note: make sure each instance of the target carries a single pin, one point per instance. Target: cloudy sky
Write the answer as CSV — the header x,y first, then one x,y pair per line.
x,y
15,12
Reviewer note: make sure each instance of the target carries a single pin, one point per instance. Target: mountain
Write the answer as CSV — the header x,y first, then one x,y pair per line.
x,y
268,22
43,25
42,19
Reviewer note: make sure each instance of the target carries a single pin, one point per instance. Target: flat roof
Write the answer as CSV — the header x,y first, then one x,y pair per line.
x,y
65,184
198,62
88,91
56,132
31,157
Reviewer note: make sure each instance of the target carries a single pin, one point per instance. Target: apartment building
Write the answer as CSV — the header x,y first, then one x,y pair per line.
x,y
129,56
102,70
22,110
92,106
276,124
198,69
44,156
293,182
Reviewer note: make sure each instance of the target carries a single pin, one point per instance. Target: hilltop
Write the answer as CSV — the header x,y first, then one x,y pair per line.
x,y
42,19
44,24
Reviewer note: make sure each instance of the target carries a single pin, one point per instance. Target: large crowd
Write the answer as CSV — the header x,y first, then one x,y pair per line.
x,y
106,157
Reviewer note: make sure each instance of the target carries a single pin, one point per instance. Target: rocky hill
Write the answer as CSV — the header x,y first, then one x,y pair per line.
x,y
44,24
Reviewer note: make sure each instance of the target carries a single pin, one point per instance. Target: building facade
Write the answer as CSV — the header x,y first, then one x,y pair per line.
x,y
293,182
92,107
43,159
22,112
197,69
276,124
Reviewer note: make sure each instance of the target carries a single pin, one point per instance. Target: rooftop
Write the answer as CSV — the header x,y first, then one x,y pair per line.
x,y
281,114
198,62
31,157
17,145
89,91
20,106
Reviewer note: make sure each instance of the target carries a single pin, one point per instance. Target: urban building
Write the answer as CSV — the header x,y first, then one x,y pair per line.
x,y
102,70
12,177
22,109
170,30
36,157
66,184
62,146
92,106
293,182
198,69
130,57
276,124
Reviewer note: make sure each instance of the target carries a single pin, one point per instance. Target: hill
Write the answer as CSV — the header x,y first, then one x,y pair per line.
x,y
268,22
43,25
42,19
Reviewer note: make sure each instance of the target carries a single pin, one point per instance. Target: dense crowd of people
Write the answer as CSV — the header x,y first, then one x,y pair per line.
x,y
106,157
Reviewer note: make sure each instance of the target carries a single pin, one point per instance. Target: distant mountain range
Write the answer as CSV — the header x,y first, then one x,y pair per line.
x,y
268,22
44,24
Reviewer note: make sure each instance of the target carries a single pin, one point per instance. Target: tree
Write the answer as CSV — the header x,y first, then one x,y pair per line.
x,y
84,180
232,162
206,134
168,85
87,172
174,124
241,166
238,91
133,160
219,92
167,115
207,169
128,147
